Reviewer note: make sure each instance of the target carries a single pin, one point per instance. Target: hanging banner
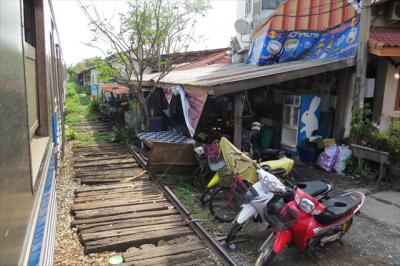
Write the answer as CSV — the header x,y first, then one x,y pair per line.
x,y
285,46
192,104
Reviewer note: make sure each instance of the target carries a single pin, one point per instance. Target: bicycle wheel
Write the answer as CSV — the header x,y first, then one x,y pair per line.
x,y
225,204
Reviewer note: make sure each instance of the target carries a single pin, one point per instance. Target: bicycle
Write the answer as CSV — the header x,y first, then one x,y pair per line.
x,y
226,201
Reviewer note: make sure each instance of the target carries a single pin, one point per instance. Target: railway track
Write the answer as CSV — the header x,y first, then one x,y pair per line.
x,y
95,126
120,207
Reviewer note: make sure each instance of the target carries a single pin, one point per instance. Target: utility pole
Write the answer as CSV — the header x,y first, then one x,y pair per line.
x,y
362,54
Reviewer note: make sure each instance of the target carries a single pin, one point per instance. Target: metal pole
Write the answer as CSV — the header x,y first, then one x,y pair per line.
x,y
362,55
238,111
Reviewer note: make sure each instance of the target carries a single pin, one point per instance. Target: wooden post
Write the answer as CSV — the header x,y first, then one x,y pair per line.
x,y
362,55
343,103
238,109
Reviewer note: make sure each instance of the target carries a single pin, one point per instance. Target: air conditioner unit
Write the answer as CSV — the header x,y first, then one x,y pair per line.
x,y
394,11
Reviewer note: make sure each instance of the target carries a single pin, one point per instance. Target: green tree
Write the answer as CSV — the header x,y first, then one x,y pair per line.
x,y
150,36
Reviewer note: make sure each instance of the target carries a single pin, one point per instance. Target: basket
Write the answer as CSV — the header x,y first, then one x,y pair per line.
x,y
216,163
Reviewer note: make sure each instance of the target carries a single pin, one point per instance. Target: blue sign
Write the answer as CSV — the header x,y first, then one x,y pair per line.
x,y
285,46
94,92
309,116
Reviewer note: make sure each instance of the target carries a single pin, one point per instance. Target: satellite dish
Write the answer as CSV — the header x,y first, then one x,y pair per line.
x,y
242,26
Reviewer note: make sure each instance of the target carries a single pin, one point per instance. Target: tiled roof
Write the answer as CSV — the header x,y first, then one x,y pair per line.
x,y
221,57
381,37
114,88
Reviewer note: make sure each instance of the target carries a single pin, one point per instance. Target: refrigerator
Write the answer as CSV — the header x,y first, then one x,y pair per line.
x,y
300,119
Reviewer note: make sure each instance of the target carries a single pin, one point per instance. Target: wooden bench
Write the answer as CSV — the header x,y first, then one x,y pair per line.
x,y
364,153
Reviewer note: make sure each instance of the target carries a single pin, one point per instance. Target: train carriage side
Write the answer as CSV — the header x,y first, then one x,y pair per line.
x,y
31,137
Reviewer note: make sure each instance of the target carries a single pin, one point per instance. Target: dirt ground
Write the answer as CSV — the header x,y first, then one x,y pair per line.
x,y
366,243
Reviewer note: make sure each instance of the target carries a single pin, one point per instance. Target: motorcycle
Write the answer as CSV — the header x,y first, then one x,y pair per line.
x,y
260,195
309,223
281,168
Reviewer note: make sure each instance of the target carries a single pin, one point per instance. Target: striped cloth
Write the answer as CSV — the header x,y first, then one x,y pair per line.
x,y
165,136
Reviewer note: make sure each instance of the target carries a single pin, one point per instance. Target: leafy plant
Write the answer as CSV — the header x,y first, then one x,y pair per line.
x,y
71,135
76,105
351,166
183,190
94,107
150,35
126,134
362,126
88,138
365,132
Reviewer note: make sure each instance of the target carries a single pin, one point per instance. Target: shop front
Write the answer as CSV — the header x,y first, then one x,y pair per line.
x,y
291,102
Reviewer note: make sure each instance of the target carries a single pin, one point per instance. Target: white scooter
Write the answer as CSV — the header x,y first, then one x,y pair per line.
x,y
262,192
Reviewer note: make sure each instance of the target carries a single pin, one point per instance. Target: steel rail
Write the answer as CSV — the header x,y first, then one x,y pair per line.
x,y
217,249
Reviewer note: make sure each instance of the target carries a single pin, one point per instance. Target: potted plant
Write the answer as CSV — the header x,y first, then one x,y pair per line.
x,y
367,142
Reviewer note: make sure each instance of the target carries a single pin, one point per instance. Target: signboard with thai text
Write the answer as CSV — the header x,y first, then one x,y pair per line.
x,y
285,46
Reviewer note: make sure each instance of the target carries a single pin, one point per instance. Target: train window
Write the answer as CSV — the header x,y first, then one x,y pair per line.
x,y
31,65
29,22
270,4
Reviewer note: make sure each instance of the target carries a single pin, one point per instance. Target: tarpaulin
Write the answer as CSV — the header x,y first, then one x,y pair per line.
x,y
192,104
233,156
285,46
237,162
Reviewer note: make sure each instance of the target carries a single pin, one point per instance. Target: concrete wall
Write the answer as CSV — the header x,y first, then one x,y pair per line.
x,y
380,82
389,99
344,104
385,94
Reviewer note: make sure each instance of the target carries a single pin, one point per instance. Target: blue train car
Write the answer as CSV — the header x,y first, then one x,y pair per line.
x,y
31,137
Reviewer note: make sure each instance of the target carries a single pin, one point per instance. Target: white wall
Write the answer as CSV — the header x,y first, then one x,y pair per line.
x,y
93,76
241,14
257,17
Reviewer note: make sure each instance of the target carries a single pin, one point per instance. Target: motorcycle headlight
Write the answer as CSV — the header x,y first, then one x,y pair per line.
x,y
307,205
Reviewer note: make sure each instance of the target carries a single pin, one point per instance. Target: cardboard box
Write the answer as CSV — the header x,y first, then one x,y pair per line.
x,y
322,143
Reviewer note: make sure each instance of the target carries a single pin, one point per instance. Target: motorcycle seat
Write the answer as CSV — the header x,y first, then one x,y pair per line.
x,y
314,188
338,207
277,171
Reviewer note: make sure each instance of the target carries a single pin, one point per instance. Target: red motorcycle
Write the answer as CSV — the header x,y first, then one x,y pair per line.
x,y
309,223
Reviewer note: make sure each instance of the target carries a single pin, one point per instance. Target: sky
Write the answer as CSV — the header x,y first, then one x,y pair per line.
x,y
216,28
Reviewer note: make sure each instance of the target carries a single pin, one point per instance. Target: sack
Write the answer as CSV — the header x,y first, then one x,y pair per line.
x,y
344,154
327,159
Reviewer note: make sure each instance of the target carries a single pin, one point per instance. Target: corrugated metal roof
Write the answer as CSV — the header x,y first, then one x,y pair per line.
x,y
225,79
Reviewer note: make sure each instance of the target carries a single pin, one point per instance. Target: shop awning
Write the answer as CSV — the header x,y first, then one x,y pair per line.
x,y
384,41
225,79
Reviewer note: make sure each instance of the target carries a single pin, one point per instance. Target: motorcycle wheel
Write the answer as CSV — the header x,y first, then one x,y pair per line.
x,y
207,194
225,205
236,227
266,256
